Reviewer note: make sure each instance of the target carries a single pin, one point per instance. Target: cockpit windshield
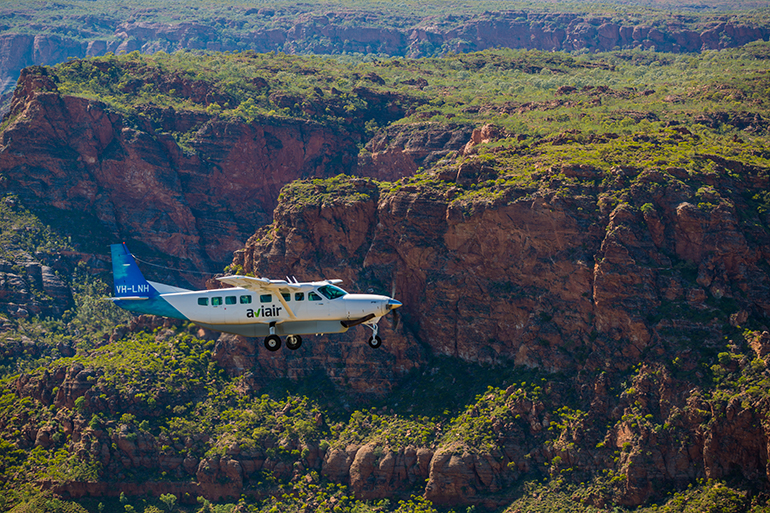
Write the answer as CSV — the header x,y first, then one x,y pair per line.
x,y
331,292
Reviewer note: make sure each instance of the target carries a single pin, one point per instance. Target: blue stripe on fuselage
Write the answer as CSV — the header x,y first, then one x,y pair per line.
x,y
154,306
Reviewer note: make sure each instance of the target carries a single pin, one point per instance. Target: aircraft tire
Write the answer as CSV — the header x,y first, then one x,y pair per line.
x,y
272,342
375,342
293,342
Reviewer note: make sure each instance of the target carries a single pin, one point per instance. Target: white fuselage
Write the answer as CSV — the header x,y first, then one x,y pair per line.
x,y
249,313
242,306
254,307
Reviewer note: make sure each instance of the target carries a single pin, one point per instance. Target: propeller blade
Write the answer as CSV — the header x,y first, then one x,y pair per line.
x,y
393,305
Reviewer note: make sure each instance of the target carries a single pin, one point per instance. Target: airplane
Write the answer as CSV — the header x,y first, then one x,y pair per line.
x,y
254,307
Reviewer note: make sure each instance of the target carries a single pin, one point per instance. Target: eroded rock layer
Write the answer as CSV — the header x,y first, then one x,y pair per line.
x,y
335,33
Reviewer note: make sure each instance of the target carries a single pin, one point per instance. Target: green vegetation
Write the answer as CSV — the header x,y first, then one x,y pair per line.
x,y
622,111
337,190
92,394
85,20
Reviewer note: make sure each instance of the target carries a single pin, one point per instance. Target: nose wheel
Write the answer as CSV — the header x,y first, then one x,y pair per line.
x,y
374,341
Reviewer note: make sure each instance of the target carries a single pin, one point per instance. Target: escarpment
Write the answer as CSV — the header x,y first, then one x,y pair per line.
x,y
581,285
530,275
298,30
129,177
583,269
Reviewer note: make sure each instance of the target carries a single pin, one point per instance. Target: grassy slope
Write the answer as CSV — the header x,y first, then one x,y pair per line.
x,y
142,375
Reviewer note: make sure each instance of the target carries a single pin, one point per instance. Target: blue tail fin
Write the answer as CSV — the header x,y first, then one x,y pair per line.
x,y
129,281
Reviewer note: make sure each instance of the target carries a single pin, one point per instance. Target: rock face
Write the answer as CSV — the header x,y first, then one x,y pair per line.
x,y
400,150
130,178
577,284
544,280
27,287
73,155
18,51
334,33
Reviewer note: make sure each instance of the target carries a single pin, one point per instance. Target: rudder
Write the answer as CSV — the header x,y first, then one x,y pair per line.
x,y
129,280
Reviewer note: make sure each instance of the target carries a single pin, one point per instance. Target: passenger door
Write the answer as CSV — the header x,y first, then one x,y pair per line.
x,y
317,306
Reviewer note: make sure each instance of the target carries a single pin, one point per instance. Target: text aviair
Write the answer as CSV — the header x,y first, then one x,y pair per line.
x,y
265,311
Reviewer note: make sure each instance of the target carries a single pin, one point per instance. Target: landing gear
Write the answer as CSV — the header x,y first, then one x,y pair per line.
x,y
374,341
273,342
293,342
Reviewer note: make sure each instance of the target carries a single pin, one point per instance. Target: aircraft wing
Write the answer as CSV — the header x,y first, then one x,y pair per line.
x,y
263,285
258,284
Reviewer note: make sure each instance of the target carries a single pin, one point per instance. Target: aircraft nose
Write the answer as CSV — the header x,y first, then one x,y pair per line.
x,y
393,304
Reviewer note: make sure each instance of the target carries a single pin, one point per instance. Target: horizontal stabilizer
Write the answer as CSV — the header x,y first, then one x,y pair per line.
x,y
128,298
162,288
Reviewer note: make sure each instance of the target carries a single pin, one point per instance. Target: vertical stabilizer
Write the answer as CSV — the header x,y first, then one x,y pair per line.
x,y
129,281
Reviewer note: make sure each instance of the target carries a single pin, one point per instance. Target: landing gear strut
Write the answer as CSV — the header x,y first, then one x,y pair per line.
x,y
273,341
293,342
374,341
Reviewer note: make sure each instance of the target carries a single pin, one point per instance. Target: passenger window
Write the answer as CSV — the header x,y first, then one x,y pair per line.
x,y
216,301
203,301
229,300
286,296
299,296
266,298
245,300
312,296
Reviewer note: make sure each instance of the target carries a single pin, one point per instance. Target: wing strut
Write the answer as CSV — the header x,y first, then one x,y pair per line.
x,y
263,285
286,305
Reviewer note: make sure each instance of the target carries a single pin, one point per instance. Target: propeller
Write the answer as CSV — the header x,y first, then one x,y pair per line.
x,y
393,305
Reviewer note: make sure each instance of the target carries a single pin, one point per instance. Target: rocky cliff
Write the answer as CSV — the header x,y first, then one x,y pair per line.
x,y
529,274
294,30
582,307
74,157
578,285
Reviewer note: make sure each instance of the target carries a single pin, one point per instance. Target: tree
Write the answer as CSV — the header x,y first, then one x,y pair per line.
x,y
169,499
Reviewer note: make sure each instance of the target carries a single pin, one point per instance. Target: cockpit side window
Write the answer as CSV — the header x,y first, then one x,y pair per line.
x,y
312,296
331,292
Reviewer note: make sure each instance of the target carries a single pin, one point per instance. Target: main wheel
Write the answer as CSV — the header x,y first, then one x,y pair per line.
x,y
293,342
375,341
273,342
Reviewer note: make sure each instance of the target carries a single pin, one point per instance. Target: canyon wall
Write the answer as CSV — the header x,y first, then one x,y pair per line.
x,y
335,33
66,156
560,283
627,291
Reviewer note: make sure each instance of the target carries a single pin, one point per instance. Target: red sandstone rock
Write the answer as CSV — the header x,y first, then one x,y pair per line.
x,y
94,163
